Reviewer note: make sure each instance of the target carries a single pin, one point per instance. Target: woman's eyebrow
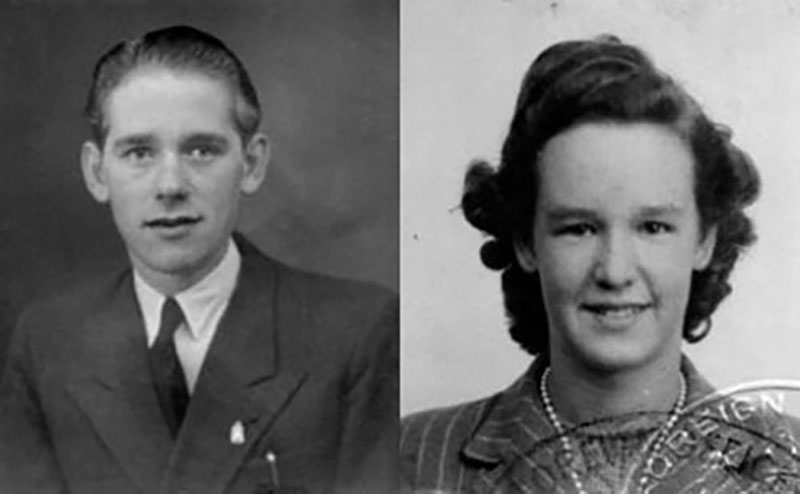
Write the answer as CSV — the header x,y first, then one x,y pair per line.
x,y
558,212
660,210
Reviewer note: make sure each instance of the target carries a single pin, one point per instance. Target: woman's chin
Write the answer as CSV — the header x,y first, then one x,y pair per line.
x,y
612,355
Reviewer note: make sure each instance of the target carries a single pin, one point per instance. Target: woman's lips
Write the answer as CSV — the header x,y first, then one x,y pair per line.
x,y
616,314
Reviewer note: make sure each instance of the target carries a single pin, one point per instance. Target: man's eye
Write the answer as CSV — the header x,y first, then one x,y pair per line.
x,y
657,227
203,153
576,230
137,154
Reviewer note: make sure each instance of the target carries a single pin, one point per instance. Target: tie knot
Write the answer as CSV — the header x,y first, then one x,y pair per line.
x,y
171,318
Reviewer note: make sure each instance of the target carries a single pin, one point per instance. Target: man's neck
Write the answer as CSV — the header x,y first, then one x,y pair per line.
x,y
170,284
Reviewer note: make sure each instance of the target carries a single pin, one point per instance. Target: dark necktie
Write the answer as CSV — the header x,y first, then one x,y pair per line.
x,y
166,370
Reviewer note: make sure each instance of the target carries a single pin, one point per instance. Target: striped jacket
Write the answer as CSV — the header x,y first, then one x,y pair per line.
x,y
506,444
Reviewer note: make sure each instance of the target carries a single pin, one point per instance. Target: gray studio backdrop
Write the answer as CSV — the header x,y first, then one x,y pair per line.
x,y
327,73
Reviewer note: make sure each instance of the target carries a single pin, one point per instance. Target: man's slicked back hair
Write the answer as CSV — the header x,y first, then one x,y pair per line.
x,y
181,48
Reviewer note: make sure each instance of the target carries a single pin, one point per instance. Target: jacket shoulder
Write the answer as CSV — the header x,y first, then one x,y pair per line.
x,y
326,288
334,319
70,300
321,298
321,287
50,326
432,440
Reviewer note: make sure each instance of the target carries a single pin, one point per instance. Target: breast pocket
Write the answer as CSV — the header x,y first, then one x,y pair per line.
x,y
260,476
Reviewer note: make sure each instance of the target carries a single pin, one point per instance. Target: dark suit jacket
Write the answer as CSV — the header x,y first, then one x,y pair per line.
x,y
307,363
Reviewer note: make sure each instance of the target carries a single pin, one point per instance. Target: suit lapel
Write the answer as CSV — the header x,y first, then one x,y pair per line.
x,y
117,393
514,441
239,382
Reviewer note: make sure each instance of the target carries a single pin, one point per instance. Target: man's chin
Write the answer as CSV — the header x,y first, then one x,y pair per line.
x,y
177,263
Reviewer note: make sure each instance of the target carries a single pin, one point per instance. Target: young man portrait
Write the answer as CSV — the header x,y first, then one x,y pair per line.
x,y
204,366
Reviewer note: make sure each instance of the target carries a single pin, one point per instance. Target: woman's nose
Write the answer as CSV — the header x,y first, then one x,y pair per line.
x,y
615,263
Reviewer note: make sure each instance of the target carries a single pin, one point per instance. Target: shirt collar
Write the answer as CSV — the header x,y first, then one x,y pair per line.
x,y
198,302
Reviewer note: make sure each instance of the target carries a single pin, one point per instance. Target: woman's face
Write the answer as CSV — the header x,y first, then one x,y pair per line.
x,y
616,236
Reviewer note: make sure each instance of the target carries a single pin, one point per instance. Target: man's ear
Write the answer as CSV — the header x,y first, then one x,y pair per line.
x,y
92,167
526,257
705,250
256,158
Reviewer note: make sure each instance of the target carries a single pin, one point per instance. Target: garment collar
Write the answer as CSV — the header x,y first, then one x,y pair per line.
x,y
516,422
198,302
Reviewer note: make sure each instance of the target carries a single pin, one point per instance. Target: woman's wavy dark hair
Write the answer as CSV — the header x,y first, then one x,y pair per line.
x,y
605,80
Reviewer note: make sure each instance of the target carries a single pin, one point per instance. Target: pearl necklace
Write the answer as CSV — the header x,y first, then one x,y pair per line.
x,y
655,441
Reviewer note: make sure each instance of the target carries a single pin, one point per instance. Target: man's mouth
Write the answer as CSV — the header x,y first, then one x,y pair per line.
x,y
172,221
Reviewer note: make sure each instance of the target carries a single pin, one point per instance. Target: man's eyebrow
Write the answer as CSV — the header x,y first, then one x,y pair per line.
x,y
132,140
206,138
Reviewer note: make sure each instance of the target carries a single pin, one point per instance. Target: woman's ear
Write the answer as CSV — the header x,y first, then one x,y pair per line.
x,y
705,249
526,257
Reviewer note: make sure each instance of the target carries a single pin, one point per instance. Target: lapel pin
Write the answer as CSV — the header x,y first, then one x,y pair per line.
x,y
237,433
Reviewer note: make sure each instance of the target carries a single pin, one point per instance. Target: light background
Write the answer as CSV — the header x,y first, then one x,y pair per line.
x,y
462,62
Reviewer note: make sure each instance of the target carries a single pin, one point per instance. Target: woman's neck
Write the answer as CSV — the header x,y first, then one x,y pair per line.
x,y
581,394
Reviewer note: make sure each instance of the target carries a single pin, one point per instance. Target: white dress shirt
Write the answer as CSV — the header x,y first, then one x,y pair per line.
x,y
203,305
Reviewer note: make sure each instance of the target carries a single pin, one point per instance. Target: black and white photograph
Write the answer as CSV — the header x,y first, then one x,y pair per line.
x,y
199,263
385,247
598,246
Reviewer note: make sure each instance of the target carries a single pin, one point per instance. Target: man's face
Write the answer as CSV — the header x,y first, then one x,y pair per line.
x,y
173,168
616,238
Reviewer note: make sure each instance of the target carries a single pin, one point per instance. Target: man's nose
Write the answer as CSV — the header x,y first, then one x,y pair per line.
x,y
616,261
171,180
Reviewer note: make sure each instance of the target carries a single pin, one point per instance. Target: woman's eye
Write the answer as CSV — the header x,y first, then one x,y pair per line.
x,y
576,230
657,227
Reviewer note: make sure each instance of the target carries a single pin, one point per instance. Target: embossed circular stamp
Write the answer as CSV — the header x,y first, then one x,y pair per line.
x,y
745,439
